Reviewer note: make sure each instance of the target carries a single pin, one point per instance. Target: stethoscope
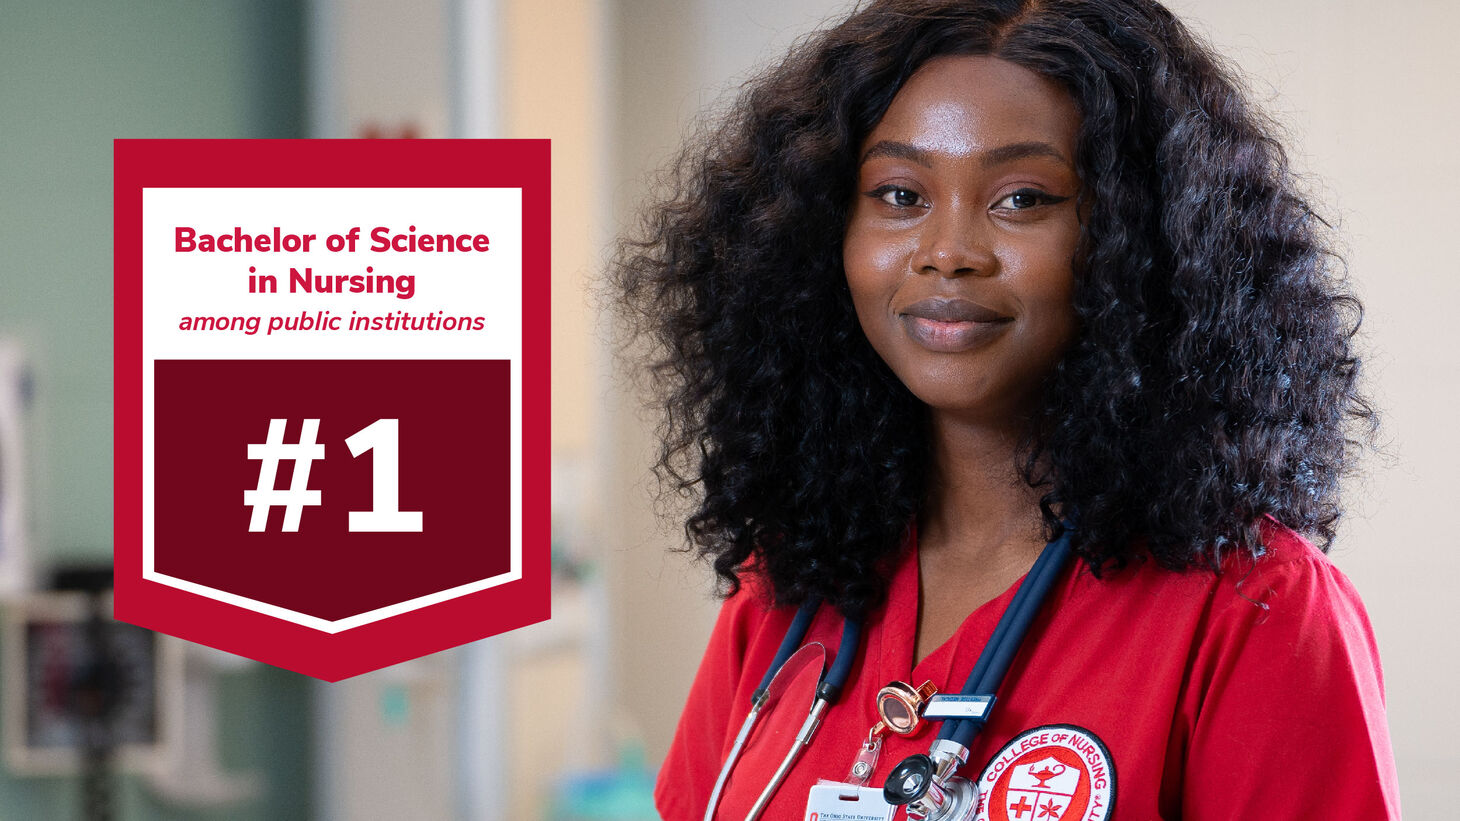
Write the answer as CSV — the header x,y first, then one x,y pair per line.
x,y
926,783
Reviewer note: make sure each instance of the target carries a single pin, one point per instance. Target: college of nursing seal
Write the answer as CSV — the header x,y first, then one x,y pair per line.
x,y
1058,772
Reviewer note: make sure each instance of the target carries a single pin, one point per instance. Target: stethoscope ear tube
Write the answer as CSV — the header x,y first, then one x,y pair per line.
x,y
790,645
803,738
826,693
733,756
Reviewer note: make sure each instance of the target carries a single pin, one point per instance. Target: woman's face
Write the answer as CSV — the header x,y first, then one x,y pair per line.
x,y
960,245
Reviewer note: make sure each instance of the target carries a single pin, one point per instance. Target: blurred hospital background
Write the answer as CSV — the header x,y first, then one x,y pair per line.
x,y
568,719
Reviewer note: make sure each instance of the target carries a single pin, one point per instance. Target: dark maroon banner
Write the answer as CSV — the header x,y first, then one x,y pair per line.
x,y
453,420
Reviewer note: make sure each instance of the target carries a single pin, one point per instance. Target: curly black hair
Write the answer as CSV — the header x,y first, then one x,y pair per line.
x,y
1212,382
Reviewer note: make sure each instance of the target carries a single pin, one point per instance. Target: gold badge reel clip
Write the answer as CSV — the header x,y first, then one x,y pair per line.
x,y
900,707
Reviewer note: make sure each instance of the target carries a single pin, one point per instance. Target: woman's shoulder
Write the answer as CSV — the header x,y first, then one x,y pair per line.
x,y
1287,604
1287,572
1291,581
1284,650
1283,616
1284,550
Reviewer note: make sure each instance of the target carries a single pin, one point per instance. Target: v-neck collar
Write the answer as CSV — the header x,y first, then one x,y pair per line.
x,y
950,663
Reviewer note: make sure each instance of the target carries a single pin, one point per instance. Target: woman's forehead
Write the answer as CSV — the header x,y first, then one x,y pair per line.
x,y
965,105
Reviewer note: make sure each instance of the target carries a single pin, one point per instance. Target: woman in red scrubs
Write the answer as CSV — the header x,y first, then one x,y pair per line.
x,y
952,279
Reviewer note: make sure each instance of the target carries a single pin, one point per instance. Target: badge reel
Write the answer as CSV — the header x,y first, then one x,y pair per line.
x,y
900,708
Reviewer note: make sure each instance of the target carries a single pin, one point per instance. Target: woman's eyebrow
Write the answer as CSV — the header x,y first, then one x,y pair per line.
x,y
1020,151
897,150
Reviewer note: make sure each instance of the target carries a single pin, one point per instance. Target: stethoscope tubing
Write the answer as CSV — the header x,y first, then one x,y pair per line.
x,y
841,669
993,663
795,634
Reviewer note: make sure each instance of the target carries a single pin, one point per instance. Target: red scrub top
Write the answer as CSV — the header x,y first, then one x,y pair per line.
x,y
1147,694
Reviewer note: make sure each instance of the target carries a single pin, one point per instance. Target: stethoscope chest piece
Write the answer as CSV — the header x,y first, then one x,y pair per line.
x,y
927,786
909,781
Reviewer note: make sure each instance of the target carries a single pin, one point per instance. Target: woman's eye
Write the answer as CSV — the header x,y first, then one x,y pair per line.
x,y
897,196
1027,198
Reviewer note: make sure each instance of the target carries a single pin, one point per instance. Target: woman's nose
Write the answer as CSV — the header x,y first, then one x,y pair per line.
x,y
954,242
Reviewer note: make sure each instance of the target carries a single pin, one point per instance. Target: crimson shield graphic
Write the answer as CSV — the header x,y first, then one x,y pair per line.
x,y
1043,789
331,395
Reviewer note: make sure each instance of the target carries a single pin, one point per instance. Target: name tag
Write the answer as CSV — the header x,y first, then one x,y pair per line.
x,y
944,707
832,801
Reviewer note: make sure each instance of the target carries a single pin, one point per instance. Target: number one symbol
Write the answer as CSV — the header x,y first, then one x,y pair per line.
x,y
385,515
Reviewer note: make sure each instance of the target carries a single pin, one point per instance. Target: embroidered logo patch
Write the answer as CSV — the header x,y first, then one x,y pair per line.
x,y
1058,772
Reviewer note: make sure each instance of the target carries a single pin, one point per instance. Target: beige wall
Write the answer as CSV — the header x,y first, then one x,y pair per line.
x,y
661,609
548,96
550,63
1371,101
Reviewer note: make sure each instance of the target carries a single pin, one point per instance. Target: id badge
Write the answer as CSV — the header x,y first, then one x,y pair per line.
x,y
834,801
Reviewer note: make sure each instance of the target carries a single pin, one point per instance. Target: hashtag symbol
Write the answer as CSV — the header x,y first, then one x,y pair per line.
x,y
265,496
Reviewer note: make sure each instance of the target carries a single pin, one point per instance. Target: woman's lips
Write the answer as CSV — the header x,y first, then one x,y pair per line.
x,y
952,325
